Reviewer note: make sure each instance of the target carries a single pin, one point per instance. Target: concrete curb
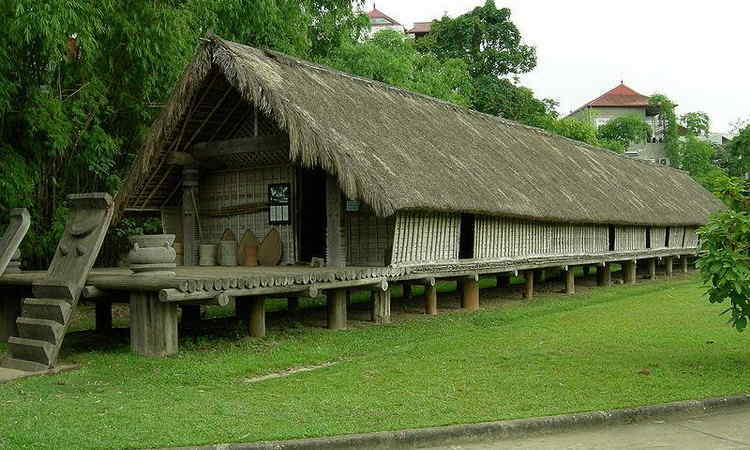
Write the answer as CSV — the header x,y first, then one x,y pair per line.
x,y
490,431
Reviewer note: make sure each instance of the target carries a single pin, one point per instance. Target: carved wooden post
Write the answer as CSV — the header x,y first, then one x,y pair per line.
x,y
470,294
652,269
103,317
381,306
336,299
668,267
257,322
335,243
528,288
153,325
190,241
570,281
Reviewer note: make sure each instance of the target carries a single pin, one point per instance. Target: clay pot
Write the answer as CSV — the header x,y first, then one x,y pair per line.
x,y
152,255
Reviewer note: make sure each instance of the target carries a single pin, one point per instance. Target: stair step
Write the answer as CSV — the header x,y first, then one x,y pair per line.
x,y
20,364
46,308
30,350
40,329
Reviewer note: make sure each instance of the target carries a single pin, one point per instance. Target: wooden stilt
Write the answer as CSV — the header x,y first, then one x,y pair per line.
x,y
103,317
629,272
668,267
257,322
528,288
684,262
470,294
336,299
430,300
153,325
570,281
604,275
652,269
191,315
381,306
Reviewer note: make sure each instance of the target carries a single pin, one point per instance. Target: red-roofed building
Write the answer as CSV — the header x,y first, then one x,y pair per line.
x,y
625,101
420,29
381,21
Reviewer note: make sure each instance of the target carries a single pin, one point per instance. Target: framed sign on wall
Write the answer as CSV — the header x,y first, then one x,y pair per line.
x,y
279,203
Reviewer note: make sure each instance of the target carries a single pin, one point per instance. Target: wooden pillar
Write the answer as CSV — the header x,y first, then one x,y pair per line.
x,y
335,242
190,240
336,299
153,325
652,269
10,310
668,267
292,304
430,299
503,281
470,294
604,275
684,262
381,306
629,272
191,315
528,288
570,281
257,323
103,317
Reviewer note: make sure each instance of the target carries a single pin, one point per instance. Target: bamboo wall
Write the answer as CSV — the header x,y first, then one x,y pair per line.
x,y
630,238
498,238
676,237
691,238
229,189
369,238
421,236
658,237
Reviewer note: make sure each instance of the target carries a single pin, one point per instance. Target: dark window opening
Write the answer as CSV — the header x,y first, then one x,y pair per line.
x,y
684,230
466,240
666,239
312,223
648,237
611,238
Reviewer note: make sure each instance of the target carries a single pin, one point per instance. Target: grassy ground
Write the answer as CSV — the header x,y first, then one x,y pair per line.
x,y
604,348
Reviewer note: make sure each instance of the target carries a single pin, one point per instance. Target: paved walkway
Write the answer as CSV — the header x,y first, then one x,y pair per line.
x,y
723,429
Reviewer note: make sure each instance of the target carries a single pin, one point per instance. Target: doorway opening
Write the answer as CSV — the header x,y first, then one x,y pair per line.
x,y
466,239
312,224
611,238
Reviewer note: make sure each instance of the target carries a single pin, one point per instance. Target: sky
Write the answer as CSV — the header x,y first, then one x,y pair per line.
x,y
688,50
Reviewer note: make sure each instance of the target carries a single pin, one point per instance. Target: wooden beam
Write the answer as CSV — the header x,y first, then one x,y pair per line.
x,y
528,288
668,267
570,281
221,149
684,262
336,299
153,325
430,300
629,272
257,322
381,306
652,269
470,294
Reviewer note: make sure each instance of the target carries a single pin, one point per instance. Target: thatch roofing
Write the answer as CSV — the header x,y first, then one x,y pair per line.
x,y
397,150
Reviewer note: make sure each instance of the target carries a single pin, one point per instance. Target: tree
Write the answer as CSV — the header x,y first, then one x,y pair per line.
x,y
737,154
391,58
502,97
486,38
80,82
667,126
697,123
699,159
625,130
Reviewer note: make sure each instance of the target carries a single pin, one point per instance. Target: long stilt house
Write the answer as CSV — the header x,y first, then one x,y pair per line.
x,y
380,176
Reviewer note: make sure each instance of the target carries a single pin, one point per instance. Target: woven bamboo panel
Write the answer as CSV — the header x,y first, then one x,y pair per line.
x,y
422,236
232,189
497,237
630,238
676,237
369,238
658,237
691,238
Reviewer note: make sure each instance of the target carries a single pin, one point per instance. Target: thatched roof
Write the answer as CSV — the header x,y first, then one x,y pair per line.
x,y
397,150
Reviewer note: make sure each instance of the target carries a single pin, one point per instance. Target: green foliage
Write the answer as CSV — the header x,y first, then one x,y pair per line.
x,y
699,159
502,97
80,82
486,38
625,130
391,58
668,126
697,123
579,130
737,154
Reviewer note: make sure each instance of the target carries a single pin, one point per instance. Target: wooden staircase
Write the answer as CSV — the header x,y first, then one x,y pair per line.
x,y
45,318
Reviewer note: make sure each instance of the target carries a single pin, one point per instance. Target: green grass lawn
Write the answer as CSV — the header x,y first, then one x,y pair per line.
x,y
604,348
